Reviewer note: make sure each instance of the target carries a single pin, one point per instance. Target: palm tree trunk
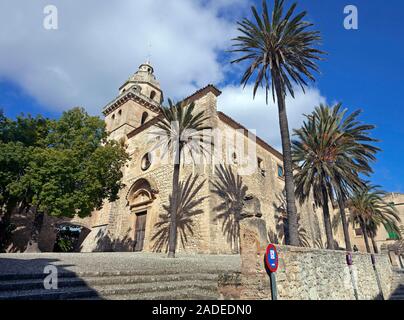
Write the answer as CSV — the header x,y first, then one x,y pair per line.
x,y
33,243
344,224
288,167
172,240
375,249
327,220
365,235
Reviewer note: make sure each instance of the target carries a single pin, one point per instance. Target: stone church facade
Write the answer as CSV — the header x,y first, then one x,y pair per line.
x,y
138,221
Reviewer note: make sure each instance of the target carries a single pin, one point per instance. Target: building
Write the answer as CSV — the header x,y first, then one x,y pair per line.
x,y
387,240
138,221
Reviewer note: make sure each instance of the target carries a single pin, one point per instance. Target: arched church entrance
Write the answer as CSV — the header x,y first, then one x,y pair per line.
x,y
140,200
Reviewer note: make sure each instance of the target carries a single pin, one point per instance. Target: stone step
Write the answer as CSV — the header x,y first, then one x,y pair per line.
x,y
60,294
31,284
68,274
110,290
169,295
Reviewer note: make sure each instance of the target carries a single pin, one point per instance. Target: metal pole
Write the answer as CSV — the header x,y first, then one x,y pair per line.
x,y
274,292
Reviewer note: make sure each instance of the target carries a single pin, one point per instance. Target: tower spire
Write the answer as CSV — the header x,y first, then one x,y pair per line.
x,y
148,58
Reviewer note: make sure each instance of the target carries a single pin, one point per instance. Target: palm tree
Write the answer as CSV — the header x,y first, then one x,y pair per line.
x,y
330,150
369,210
180,131
281,52
282,221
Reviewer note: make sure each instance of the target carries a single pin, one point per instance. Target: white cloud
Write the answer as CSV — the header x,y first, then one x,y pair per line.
x,y
255,114
99,45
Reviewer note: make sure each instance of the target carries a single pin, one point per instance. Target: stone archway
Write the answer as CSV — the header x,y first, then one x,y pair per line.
x,y
140,199
72,232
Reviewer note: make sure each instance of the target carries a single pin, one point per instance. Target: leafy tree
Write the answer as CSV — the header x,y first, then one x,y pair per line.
x,y
180,131
369,210
280,50
330,151
71,171
18,139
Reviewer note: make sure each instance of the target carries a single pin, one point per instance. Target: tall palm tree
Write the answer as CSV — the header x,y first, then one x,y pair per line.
x,y
180,130
330,150
369,210
280,52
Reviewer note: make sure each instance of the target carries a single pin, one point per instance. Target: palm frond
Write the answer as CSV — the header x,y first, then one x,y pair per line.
x,y
280,49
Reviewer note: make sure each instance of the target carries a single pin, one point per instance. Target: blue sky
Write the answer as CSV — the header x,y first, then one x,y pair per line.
x,y
85,61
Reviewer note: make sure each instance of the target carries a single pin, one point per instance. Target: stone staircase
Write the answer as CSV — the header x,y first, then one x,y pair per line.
x,y
111,285
398,285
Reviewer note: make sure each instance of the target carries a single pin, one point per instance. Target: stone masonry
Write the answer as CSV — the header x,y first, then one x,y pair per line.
x,y
307,273
130,119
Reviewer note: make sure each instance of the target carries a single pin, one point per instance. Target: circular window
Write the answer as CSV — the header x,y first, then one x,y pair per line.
x,y
146,161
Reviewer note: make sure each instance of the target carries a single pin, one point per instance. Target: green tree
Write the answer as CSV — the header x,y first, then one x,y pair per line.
x,y
330,151
369,210
18,139
180,130
71,171
281,52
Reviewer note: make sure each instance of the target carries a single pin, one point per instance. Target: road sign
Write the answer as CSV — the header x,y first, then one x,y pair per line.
x,y
271,258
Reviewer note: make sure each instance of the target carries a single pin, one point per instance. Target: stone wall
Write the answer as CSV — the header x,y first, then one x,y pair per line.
x,y
306,273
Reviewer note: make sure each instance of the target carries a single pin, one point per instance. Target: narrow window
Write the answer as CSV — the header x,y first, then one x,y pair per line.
x,y
146,162
280,171
145,115
261,169
152,94
234,157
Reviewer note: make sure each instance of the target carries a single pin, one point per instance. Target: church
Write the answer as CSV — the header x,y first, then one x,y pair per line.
x,y
214,196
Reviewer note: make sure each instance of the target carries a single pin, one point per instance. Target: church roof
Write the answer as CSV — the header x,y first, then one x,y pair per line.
x,y
222,116
236,125
202,92
131,94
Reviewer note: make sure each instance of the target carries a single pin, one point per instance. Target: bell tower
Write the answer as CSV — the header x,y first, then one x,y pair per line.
x,y
138,102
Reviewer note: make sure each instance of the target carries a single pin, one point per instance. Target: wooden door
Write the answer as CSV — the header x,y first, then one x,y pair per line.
x,y
140,229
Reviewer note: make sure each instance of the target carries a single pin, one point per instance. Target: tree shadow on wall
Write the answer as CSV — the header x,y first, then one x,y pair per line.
x,y
281,233
235,203
188,209
103,242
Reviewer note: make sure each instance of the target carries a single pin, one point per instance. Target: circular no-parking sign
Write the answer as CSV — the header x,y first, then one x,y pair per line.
x,y
271,258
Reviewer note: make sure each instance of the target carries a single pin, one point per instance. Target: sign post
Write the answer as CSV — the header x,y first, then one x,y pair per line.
x,y
271,263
